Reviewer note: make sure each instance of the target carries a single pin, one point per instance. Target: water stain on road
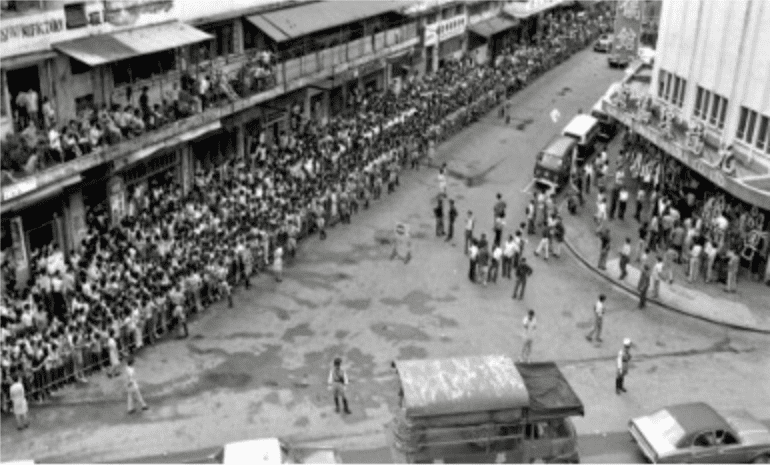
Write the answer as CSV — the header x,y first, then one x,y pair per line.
x,y
297,331
357,304
396,332
564,91
411,353
417,302
523,124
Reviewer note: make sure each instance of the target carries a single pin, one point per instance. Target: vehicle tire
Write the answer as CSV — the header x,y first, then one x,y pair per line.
x,y
762,458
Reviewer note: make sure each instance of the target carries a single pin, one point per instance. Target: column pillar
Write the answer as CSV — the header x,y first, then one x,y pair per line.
x,y
187,167
240,142
75,220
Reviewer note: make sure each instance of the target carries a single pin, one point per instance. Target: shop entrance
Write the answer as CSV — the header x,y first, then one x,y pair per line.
x,y
41,224
22,80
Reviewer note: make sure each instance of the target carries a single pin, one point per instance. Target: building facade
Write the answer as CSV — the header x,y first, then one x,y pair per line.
x,y
272,62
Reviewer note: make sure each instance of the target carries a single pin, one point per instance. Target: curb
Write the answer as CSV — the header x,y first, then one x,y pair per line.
x,y
660,303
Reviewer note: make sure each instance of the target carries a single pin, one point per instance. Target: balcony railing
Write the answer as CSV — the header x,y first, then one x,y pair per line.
x,y
287,76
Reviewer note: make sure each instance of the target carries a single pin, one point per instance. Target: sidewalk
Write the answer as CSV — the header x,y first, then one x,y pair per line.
x,y
748,309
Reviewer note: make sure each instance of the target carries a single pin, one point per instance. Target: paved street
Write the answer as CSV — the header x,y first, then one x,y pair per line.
x,y
259,369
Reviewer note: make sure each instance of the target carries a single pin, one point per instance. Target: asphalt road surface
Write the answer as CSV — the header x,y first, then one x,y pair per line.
x,y
259,369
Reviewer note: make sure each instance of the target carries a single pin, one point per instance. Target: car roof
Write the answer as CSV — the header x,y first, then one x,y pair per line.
x,y
265,451
697,416
580,124
559,145
461,385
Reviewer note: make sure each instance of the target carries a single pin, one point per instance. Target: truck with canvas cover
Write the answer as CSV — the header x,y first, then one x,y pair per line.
x,y
480,409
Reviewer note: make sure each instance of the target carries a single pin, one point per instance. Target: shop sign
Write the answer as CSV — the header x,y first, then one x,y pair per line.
x,y
31,29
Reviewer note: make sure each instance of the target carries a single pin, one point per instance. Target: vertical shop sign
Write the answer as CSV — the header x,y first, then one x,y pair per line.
x,y
19,240
628,26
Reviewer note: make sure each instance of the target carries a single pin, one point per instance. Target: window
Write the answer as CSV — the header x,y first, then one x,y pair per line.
x,y
661,83
748,127
446,13
458,10
763,134
682,91
75,15
223,42
430,19
675,93
742,123
667,93
722,114
716,101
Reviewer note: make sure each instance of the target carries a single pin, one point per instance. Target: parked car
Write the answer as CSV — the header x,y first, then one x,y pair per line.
x,y
618,60
604,43
272,451
696,433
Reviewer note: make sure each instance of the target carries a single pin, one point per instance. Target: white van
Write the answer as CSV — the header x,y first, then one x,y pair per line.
x,y
585,130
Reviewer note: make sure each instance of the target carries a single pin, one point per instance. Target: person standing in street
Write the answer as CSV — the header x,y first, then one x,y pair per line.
x,y
469,223
523,271
509,250
114,354
278,263
733,262
644,285
442,181
19,401
596,331
338,382
711,256
656,276
499,224
132,387
530,211
483,263
494,267
530,325
499,209
622,203
438,213
473,254
625,258
604,248
624,358
452,218
545,244
695,261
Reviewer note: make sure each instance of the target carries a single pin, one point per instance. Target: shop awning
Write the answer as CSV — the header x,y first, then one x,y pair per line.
x,y
493,26
171,142
108,48
290,23
38,195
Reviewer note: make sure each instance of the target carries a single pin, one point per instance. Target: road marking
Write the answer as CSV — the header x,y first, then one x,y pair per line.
x,y
526,190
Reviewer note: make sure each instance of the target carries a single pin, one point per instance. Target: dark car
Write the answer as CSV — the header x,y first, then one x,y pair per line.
x,y
618,60
696,433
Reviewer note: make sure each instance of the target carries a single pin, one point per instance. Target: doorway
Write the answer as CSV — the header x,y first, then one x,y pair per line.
x,y
22,80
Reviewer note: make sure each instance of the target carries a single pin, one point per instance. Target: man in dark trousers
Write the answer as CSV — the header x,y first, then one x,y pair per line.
x,y
452,218
604,238
624,358
438,212
644,285
523,271
338,381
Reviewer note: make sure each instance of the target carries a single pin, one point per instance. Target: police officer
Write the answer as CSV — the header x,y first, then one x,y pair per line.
x,y
624,357
338,380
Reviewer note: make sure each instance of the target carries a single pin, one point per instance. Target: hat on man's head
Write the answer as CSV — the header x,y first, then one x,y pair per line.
x,y
627,342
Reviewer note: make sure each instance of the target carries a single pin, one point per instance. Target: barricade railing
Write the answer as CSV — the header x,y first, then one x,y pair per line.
x,y
39,381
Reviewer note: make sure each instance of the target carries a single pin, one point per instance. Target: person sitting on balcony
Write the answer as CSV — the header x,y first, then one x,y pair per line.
x,y
95,134
203,88
82,129
144,103
55,152
136,123
120,117
69,144
113,134
30,135
49,115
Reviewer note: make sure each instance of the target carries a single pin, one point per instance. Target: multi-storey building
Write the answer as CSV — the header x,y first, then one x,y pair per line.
x,y
711,76
272,60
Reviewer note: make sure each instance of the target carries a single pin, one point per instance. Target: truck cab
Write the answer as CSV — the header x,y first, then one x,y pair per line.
x,y
483,409
554,163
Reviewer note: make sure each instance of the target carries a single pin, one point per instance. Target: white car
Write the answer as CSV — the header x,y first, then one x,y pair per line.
x,y
272,451
647,55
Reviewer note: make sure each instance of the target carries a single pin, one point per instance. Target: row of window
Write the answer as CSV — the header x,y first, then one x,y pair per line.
x,y
754,129
710,107
671,88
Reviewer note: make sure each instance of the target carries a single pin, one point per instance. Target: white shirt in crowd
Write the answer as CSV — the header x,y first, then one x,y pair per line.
x,y
530,325
599,308
510,248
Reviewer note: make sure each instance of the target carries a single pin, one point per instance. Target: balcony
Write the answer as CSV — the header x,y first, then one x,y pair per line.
x,y
287,76
749,179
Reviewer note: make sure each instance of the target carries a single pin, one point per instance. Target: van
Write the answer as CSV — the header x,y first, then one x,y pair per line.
x,y
483,409
585,130
554,163
608,127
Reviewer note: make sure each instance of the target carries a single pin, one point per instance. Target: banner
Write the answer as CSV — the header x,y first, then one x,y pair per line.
x,y
628,26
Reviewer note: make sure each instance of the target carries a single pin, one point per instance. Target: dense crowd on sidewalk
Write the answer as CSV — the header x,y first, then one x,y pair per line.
x,y
44,140
175,253
679,223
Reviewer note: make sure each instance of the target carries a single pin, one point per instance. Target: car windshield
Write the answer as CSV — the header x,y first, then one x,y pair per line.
x,y
668,427
551,161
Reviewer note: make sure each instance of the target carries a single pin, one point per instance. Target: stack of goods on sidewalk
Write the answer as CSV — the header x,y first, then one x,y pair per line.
x,y
140,279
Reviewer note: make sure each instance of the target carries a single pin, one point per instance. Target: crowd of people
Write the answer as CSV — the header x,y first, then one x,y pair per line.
x,y
175,253
708,236
43,140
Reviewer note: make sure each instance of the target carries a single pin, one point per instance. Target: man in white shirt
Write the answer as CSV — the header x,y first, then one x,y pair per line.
x,y
132,387
473,254
625,258
494,267
510,249
622,203
19,401
530,325
711,255
657,275
469,223
596,331
695,262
